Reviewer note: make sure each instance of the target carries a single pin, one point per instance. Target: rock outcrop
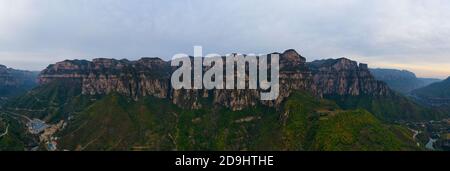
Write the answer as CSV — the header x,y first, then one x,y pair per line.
x,y
151,77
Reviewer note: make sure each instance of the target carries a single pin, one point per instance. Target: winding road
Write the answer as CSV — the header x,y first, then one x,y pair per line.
x,y
6,132
415,133
16,115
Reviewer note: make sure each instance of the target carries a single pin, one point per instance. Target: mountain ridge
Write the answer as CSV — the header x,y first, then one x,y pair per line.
x,y
113,104
151,77
402,81
15,82
436,94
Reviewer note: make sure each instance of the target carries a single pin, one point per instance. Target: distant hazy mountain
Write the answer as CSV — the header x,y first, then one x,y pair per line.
x,y
436,94
14,82
402,81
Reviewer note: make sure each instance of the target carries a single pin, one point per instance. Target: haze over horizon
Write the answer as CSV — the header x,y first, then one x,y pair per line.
x,y
400,34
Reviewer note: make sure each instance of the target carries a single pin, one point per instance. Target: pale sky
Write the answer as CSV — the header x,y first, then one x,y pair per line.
x,y
402,34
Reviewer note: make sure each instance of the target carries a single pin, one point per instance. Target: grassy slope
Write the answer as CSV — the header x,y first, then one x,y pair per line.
x,y
330,128
51,102
389,108
118,123
13,141
357,130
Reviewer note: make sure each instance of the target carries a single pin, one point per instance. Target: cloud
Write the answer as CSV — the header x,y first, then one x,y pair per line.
x,y
375,31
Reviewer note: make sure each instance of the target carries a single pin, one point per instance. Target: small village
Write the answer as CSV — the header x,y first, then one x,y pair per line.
x,y
46,132
435,135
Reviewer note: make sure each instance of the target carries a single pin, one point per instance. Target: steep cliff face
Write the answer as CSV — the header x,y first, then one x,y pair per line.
x,y
294,75
14,82
147,76
151,77
345,77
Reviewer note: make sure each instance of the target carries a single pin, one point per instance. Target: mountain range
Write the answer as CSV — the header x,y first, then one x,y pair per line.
x,y
436,95
109,104
14,82
402,81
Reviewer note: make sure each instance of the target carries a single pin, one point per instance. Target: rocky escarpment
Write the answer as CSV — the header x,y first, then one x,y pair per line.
x,y
151,77
14,82
147,76
345,77
294,75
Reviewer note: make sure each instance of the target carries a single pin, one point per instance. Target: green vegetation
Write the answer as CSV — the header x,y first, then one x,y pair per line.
x,y
389,108
359,130
305,123
15,82
436,95
14,139
436,90
118,123
51,102
323,126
